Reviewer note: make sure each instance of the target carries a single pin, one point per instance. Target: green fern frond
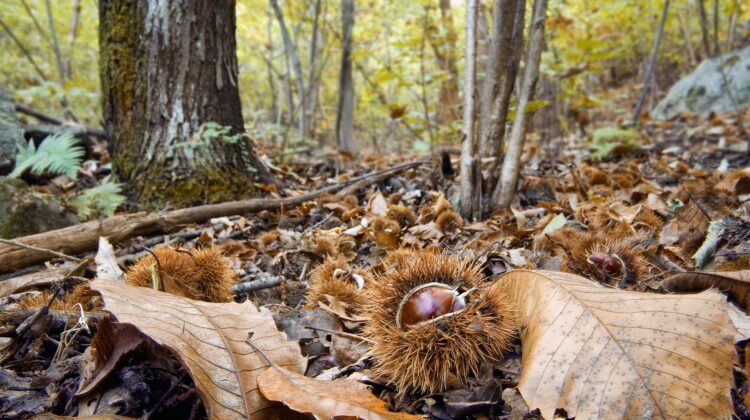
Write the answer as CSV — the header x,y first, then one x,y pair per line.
x,y
58,154
100,201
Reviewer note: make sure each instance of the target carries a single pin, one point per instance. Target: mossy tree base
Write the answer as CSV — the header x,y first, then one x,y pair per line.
x,y
168,68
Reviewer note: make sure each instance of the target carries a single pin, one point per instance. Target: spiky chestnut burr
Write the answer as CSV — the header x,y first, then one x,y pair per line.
x,y
200,273
432,320
336,278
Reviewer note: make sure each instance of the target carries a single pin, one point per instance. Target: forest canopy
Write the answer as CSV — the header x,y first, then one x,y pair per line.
x,y
397,53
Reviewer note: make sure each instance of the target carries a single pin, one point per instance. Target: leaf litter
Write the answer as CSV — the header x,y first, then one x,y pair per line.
x,y
667,214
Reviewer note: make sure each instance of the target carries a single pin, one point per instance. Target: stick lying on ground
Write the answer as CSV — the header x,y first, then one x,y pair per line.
x,y
85,237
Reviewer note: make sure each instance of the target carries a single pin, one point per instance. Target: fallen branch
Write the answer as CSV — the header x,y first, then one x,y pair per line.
x,y
96,132
253,285
84,237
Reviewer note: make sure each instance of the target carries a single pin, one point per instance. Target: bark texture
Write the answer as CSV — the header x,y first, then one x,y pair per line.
x,y
345,114
469,188
505,49
506,189
166,69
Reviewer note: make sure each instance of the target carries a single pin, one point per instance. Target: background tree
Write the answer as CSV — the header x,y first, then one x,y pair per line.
x,y
470,177
506,189
506,46
167,71
345,112
506,41
590,49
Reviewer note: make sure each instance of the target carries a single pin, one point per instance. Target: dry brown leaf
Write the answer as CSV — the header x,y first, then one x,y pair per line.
x,y
210,341
686,231
622,213
605,353
377,204
427,232
735,283
37,279
736,183
106,262
324,399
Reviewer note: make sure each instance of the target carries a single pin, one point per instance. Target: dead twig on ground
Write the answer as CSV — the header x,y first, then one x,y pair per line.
x,y
84,237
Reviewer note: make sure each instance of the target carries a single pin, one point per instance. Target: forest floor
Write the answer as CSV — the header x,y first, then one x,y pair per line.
x,y
633,211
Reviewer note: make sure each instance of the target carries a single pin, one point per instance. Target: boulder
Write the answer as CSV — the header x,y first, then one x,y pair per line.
x,y
24,211
704,90
11,132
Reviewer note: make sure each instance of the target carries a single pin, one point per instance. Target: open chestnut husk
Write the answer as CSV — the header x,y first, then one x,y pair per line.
x,y
433,320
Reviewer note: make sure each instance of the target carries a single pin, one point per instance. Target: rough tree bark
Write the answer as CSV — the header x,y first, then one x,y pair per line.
x,y
506,189
166,69
311,95
498,86
345,113
502,65
469,188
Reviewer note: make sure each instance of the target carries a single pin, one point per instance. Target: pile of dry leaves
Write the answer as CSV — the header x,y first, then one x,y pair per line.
x,y
384,303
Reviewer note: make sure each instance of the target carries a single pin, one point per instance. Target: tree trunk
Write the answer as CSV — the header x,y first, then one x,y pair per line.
x,y
469,188
704,28
651,64
311,94
166,69
293,55
506,189
274,112
345,114
492,139
493,103
717,50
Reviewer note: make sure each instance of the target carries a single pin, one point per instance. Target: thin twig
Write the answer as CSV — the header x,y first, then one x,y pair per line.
x,y
36,22
37,249
342,333
268,359
318,224
89,131
253,285
164,396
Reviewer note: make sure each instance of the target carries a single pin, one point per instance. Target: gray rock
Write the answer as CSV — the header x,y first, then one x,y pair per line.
x,y
24,211
11,132
704,90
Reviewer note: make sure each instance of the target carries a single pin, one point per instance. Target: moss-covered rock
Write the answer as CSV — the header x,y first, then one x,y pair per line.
x,y
24,211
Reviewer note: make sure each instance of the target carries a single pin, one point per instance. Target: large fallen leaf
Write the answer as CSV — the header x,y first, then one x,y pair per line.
x,y
210,339
735,283
325,399
605,353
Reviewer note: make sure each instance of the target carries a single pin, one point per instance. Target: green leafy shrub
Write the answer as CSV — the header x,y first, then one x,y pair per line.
x,y
100,201
58,154
613,140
